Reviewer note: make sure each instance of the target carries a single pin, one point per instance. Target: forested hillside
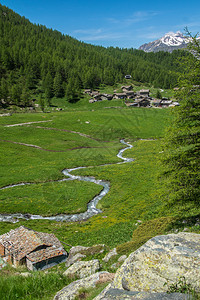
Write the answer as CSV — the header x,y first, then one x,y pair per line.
x,y
35,60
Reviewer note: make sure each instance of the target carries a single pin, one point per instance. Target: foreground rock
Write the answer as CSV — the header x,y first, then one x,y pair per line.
x,y
161,262
71,291
83,269
118,294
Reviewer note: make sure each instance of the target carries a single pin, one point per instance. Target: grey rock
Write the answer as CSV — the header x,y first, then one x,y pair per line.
x,y
108,256
161,262
122,258
83,268
115,266
71,291
73,259
119,294
86,250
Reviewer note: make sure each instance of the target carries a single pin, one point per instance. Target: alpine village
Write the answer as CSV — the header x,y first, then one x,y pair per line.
x,y
100,166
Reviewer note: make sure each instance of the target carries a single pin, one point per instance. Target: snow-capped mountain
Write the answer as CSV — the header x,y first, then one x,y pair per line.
x,y
169,42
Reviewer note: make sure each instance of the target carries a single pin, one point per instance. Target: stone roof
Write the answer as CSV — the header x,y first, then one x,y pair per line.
x,y
127,87
144,91
45,254
120,94
130,92
21,241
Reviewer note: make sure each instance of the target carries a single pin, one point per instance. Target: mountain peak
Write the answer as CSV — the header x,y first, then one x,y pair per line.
x,y
169,42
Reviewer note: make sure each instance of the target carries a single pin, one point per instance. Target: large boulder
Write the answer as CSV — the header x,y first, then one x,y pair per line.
x,y
118,294
72,290
161,262
83,269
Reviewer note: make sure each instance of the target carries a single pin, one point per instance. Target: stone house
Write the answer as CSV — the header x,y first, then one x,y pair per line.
x,y
88,91
165,103
98,97
106,96
130,94
144,93
126,88
142,102
127,76
36,250
119,96
174,104
156,102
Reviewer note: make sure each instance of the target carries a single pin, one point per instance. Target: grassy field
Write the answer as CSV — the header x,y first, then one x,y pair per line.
x,y
38,152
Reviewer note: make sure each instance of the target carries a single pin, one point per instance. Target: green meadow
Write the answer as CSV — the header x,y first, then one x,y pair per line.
x,y
38,152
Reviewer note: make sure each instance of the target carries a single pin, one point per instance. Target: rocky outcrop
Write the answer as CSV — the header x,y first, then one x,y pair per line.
x,y
148,272
71,291
119,294
161,262
83,269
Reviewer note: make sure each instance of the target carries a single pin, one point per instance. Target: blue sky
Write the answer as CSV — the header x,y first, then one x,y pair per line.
x,y
123,24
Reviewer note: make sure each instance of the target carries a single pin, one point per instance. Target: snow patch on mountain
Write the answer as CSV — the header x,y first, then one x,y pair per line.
x,y
174,39
169,42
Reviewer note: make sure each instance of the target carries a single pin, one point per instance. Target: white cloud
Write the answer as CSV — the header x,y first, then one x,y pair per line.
x,y
136,17
88,31
103,36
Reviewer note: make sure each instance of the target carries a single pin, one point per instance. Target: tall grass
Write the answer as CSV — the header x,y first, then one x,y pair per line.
x,y
37,286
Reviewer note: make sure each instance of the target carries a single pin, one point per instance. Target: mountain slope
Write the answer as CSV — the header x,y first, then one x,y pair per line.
x,y
169,42
38,60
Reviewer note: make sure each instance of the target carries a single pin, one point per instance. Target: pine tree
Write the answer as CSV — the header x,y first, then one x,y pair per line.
x,y
57,86
48,86
71,92
158,95
182,148
41,103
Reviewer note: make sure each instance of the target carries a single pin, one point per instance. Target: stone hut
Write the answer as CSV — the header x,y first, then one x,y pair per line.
x,y
119,96
88,91
127,88
130,94
156,102
165,103
142,102
36,250
144,93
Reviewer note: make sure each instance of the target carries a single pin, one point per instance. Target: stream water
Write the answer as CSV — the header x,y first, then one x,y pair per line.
x,y
91,207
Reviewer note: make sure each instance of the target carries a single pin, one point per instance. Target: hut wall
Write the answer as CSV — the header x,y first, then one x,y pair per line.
x,y
45,264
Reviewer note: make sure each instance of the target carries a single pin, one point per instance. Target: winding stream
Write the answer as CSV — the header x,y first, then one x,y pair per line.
x,y
91,207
